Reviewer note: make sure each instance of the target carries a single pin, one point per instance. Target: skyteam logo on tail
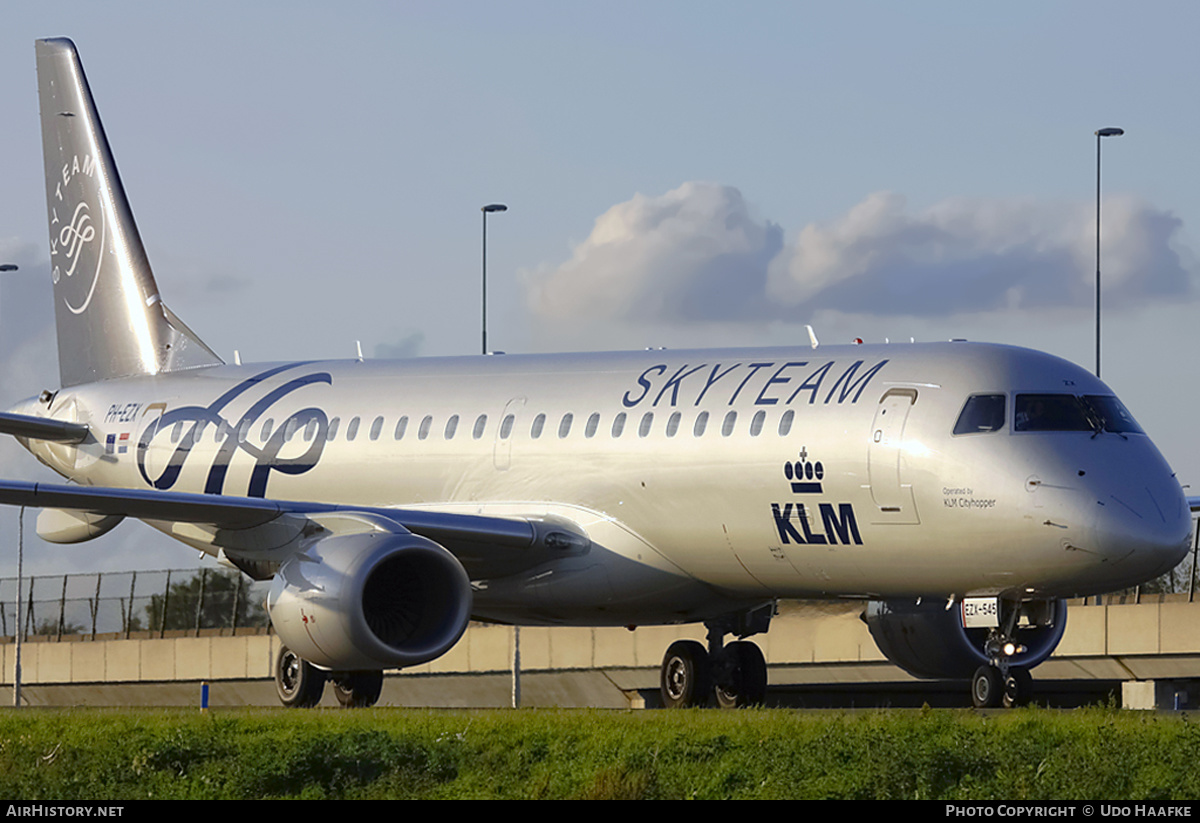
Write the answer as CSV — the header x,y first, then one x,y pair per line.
x,y
231,434
75,235
797,522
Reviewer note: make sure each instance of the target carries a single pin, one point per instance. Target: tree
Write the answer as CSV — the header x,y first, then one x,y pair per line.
x,y
206,600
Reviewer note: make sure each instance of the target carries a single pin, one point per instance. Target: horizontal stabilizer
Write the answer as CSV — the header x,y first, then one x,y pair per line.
x,y
41,428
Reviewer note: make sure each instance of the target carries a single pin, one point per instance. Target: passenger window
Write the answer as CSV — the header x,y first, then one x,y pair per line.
x,y
539,423
310,429
592,424
982,413
244,429
401,427
480,425
376,428
756,424
451,426
673,424
701,424
647,421
352,428
290,432
506,426
564,428
618,424
333,427
785,423
730,422
423,429
265,433
177,432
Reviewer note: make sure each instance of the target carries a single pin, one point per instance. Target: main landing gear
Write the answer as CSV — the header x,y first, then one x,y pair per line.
x,y
733,675
300,684
999,683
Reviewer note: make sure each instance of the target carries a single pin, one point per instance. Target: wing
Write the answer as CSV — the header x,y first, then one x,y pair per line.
x,y
42,428
256,530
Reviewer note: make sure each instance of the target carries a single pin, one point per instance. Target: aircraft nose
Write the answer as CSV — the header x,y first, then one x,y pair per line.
x,y
1143,527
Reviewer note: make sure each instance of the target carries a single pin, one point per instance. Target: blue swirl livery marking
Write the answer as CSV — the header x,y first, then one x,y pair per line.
x,y
266,457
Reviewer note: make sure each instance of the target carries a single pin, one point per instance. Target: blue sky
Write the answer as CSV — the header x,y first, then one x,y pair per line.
x,y
305,175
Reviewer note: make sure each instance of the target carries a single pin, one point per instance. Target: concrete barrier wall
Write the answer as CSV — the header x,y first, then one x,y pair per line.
x,y
808,640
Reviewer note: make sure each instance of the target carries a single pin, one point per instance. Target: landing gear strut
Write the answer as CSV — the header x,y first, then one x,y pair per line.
x,y
733,675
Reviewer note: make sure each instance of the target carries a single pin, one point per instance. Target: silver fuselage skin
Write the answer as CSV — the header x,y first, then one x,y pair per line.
x,y
864,492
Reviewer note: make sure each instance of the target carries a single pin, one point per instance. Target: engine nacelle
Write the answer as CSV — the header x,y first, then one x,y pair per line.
x,y
373,600
928,640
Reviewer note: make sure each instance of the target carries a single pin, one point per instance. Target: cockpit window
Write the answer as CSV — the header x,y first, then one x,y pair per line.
x,y
1051,413
1068,412
1112,414
982,413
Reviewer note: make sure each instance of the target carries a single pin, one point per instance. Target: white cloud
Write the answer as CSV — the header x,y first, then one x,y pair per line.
x,y
695,253
698,254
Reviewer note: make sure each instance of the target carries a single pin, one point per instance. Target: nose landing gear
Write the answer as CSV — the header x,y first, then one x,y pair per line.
x,y
999,683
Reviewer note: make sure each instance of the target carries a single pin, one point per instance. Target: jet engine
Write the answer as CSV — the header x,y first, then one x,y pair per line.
x,y
928,640
370,600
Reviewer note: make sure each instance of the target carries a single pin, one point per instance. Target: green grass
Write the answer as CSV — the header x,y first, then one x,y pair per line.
x,y
1097,754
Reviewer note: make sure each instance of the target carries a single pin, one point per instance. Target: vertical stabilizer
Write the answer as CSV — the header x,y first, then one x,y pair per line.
x,y
111,320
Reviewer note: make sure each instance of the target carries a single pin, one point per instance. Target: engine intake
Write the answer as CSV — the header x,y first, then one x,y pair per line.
x,y
372,600
929,641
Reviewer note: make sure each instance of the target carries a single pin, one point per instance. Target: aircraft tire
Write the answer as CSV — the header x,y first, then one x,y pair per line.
x,y
1018,688
685,679
987,689
748,674
298,683
358,690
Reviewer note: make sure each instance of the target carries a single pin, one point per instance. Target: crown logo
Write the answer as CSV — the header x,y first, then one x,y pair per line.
x,y
805,475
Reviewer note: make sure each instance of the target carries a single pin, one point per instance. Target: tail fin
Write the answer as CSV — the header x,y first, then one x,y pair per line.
x,y
111,320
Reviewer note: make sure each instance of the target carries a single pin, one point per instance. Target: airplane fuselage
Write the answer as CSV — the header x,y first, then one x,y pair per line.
x,y
757,474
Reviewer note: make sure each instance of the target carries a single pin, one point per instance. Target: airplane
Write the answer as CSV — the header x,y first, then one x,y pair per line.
x,y
960,490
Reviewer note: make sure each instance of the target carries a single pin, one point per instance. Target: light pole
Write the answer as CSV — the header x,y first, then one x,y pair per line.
x,y
493,207
20,577
20,607
1102,133
516,659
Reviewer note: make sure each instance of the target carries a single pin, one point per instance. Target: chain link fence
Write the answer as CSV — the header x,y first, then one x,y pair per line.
x,y
132,604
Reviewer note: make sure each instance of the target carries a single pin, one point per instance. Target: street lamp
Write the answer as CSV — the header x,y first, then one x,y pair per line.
x,y
1109,132
20,576
494,207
